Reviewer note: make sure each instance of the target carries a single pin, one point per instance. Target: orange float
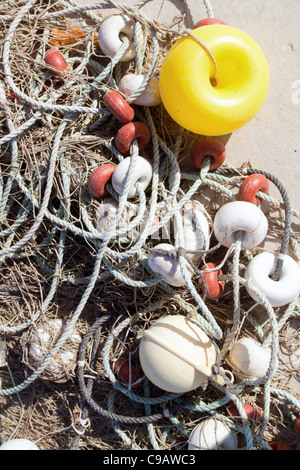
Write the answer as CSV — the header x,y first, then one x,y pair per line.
x,y
297,426
280,445
208,21
253,413
129,132
62,37
251,186
208,148
57,63
118,106
126,373
215,288
98,180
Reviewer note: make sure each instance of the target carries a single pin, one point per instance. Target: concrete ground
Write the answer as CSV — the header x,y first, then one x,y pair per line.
x,y
271,141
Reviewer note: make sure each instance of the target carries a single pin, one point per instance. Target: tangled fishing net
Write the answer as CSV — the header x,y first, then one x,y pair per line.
x,y
75,300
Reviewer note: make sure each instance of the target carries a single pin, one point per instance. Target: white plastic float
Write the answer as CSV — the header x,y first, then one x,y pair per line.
x,y
280,292
142,174
250,358
176,355
240,216
213,434
150,96
161,262
105,213
110,36
38,343
19,444
196,228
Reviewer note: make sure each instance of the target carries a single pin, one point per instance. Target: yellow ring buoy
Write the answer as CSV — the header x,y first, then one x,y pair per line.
x,y
208,101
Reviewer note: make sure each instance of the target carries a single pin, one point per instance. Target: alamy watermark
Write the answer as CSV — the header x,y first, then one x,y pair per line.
x,y
193,220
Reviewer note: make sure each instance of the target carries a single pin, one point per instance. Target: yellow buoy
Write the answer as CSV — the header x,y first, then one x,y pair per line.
x,y
210,98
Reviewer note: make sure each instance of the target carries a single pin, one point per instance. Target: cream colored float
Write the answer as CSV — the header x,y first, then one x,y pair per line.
x,y
196,229
249,358
109,36
38,342
213,434
142,174
279,292
240,216
176,355
105,213
150,96
19,444
161,262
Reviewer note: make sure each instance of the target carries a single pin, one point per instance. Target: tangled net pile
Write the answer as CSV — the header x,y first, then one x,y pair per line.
x,y
55,264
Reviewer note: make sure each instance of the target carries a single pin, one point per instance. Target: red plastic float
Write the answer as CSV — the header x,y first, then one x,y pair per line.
x,y
57,63
279,445
126,373
297,426
118,106
208,148
129,132
215,288
208,21
250,187
13,96
254,414
98,180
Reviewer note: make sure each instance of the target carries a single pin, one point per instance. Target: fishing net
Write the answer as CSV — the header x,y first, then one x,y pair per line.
x,y
62,387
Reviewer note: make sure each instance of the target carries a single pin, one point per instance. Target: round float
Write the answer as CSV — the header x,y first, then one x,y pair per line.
x,y
279,292
208,101
176,355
